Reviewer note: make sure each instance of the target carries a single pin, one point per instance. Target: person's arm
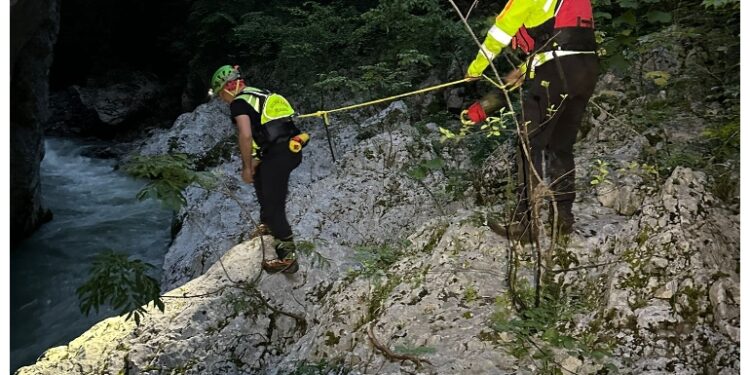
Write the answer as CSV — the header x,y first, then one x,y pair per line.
x,y
245,140
500,35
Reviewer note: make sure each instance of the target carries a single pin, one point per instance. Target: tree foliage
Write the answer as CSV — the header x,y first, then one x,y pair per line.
x,y
332,47
120,283
169,176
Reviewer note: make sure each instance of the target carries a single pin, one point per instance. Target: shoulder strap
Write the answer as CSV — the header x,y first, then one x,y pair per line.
x,y
254,96
254,91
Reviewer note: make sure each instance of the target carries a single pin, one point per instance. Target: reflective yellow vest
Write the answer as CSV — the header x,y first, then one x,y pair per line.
x,y
270,106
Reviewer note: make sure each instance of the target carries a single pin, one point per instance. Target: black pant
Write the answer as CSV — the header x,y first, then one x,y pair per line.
x,y
553,133
272,186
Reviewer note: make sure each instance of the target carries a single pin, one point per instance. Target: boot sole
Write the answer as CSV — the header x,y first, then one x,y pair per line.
x,y
293,268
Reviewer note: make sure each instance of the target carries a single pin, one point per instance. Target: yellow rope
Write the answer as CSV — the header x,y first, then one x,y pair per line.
x,y
324,114
327,121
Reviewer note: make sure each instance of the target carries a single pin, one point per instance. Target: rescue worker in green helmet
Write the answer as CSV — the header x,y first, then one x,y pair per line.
x,y
558,35
266,134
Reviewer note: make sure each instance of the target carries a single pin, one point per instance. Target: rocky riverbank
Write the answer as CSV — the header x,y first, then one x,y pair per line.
x,y
398,278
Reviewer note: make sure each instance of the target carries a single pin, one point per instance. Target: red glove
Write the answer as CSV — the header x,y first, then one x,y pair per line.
x,y
476,113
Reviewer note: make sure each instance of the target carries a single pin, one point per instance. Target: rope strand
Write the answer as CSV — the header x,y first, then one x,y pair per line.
x,y
324,113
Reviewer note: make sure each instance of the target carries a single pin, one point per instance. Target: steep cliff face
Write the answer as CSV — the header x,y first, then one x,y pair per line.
x,y
34,27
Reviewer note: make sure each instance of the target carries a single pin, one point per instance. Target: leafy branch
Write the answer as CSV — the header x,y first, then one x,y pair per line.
x,y
121,283
169,175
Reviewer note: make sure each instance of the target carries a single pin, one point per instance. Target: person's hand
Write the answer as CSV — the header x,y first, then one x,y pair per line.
x,y
514,78
473,115
477,67
247,174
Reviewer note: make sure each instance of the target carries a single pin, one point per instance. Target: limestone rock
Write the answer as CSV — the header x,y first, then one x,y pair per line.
x,y
195,133
725,298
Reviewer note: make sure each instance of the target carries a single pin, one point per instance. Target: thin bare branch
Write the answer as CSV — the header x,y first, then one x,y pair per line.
x,y
388,353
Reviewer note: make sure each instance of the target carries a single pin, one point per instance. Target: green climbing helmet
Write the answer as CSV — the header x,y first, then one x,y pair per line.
x,y
223,75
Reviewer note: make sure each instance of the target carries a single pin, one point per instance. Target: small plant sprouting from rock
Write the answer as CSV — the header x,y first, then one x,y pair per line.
x,y
121,283
539,330
426,167
414,350
307,248
376,259
471,294
647,171
600,173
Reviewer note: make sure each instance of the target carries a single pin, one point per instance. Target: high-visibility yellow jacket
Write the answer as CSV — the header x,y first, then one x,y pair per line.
x,y
528,14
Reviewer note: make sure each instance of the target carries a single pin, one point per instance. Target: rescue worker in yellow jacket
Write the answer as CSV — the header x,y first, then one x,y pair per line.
x,y
562,70
270,146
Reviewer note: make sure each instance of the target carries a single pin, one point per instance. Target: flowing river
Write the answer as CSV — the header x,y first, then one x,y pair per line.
x,y
94,209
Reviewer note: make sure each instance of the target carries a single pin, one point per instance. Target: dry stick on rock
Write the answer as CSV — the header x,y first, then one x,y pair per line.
x,y
228,193
255,292
300,320
555,223
388,353
588,266
511,273
187,296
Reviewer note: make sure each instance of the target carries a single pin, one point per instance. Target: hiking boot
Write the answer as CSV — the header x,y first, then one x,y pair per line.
x,y
518,231
294,267
287,265
286,250
284,247
260,230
